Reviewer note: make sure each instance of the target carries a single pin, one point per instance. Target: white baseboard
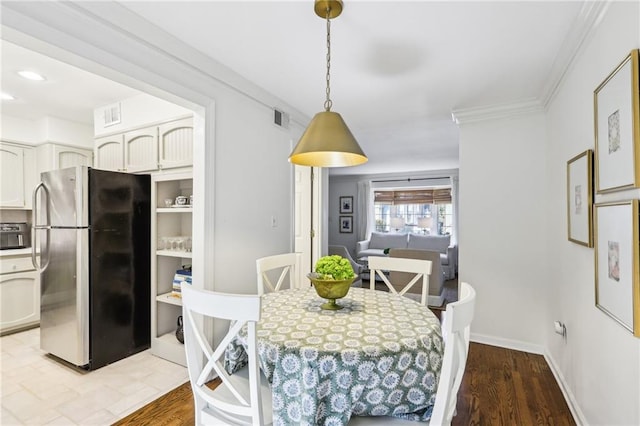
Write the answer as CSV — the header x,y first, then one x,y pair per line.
x,y
574,407
507,343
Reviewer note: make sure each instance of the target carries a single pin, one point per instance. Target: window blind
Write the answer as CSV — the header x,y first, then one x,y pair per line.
x,y
418,196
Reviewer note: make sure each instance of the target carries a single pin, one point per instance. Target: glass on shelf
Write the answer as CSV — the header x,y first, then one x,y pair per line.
x,y
163,243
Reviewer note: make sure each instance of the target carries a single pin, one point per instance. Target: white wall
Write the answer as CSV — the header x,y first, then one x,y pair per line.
x,y
139,110
599,360
502,228
47,129
254,181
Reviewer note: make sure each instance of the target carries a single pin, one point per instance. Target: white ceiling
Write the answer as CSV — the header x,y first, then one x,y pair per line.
x,y
399,68
68,92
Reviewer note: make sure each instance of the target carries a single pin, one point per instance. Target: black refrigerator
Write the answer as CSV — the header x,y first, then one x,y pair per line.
x,y
94,234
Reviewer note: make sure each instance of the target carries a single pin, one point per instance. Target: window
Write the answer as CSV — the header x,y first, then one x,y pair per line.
x,y
412,205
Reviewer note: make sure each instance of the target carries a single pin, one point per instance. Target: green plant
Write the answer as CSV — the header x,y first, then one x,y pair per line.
x,y
334,267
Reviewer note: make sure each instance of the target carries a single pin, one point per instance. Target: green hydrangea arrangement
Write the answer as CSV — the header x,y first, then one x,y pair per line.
x,y
334,267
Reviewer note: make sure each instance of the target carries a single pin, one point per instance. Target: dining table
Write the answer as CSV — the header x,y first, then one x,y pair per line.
x,y
380,355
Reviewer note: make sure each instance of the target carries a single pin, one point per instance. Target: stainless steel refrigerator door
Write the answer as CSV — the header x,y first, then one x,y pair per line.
x,y
64,310
67,201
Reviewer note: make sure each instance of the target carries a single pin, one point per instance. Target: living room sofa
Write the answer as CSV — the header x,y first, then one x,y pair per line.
x,y
379,241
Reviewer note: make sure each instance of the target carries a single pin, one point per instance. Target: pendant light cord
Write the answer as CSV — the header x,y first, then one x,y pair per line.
x,y
328,103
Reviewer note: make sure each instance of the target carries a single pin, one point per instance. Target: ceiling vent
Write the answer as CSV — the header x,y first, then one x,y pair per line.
x,y
280,118
111,115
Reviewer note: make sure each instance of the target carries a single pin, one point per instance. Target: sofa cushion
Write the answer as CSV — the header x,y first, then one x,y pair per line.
x,y
381,240
371,252
437,243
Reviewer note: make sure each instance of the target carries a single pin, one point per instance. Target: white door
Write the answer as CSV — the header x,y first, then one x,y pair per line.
x,y
302,217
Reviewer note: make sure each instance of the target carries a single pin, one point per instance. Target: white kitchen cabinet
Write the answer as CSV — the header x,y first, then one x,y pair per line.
x,y
19,294
167,224
109,153
141,150
53,156
164,146
175,144
17,175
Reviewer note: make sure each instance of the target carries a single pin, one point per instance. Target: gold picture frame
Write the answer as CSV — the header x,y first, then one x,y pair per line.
x,y
616,104
580,199
617,262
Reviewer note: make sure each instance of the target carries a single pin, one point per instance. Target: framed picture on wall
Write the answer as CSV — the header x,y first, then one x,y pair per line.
x,y
580,198
346,224
617,261
346,205
617,127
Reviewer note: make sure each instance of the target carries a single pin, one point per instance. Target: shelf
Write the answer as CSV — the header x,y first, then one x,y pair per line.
x,y
168,347
169,298
174,210
175,253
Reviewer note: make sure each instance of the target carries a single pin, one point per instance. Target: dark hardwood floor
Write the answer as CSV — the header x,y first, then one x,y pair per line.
x,y
506,387
500,387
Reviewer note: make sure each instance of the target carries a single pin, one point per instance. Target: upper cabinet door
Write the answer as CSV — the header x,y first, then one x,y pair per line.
x,y
141,150
109,153
175,144
52,156
68,157
11,176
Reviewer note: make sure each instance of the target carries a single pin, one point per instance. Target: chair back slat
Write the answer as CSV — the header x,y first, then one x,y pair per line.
x,y
235,400
421,269
282,266
456,326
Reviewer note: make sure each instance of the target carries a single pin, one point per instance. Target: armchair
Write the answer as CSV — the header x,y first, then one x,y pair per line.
x,y
357,268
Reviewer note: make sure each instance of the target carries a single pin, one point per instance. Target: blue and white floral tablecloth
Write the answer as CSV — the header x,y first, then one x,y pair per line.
x,y
380,355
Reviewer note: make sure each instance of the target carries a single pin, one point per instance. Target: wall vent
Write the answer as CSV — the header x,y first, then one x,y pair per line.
x,y
111,114
280,118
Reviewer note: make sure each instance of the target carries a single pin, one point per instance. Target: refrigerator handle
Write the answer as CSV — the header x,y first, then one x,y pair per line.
x,y
35,227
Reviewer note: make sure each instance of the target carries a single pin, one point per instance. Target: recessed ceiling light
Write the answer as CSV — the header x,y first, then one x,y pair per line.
x,y
31,75
6,96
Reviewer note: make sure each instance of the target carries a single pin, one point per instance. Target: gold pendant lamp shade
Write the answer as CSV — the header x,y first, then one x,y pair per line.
x,y
328,142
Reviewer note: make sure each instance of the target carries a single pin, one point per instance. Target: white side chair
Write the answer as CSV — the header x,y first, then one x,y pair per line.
x,y
456,327
357,268
241,398
277,269
421,268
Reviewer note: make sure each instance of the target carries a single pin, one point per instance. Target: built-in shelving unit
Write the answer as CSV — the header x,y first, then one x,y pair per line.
x,y
168,223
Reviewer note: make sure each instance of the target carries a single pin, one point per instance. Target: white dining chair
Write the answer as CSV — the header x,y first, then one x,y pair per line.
x,y
242,397
277,269
379,267
456,325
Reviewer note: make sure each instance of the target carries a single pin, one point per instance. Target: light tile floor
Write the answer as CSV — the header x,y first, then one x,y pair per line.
x,y
37,390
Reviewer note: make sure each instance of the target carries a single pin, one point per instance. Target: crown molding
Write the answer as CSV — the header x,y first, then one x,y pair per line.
x,y
493,112
580,32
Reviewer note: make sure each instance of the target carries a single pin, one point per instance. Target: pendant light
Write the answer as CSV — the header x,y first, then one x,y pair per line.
x,y
327,141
